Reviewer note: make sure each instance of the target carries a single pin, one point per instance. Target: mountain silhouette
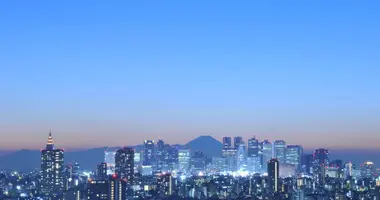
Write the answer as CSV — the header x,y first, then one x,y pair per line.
x,y
209,145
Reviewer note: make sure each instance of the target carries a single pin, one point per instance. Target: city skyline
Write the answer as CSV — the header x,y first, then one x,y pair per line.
x,y
245,141
121,143
161,169
114,74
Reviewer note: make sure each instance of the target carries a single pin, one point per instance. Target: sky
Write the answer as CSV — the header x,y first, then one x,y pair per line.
x,y
113,73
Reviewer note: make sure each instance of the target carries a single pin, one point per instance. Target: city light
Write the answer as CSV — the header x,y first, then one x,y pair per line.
x,y
180,171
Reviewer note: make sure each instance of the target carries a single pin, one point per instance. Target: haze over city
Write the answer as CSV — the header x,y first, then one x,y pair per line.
x,y
115,73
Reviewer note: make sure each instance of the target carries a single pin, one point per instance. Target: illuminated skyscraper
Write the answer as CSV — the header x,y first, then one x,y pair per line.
x,y
255,153
274,174
294,155
307,163
237,141
101,171
166,156
98,190
52,169
198,163
137,158
124,166
184,160
253,147
112,188
137,161
348,169
160,155
230,156
149,152
170,158
279,150
321,157
166,184
241,157
229,153
227,143
109,158
76,169
68,181
320,162
367,170
267,153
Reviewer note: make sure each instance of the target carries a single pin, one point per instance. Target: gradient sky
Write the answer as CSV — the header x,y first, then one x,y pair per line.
x,y
104,73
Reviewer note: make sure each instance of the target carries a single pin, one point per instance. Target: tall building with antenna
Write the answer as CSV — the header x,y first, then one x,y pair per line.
x,y
52,169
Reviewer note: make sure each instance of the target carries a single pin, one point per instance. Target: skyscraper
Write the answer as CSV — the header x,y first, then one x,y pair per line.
x,y
101,171
111,189
109,158
227,143
279,150
184,160
166,156
253,147
307,163
267,153
137,158
161,155
68,181
241,157
367,170
137,161
237,141
149,152
171,157
320,162
198,162
255,153
124,166
52,169
348,169
293,156
98,190
230,156
76,169
166,184
321,157
273,174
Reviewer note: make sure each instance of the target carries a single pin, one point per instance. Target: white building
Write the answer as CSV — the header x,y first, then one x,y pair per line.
x,y
184,160
109,158
267,153
279,150
241,157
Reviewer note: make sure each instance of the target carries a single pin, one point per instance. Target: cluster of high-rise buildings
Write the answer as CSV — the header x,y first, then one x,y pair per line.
x,y
252,169
254,155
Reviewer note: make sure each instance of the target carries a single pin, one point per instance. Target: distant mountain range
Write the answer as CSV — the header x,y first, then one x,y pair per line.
x,y
25,160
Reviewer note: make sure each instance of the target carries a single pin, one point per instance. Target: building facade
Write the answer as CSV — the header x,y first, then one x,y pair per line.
x,y
274,175
149,152
124,163
109,158
280,150
293,156
266,146
52,169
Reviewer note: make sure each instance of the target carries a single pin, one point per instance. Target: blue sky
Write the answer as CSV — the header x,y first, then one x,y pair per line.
x,y
116,73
